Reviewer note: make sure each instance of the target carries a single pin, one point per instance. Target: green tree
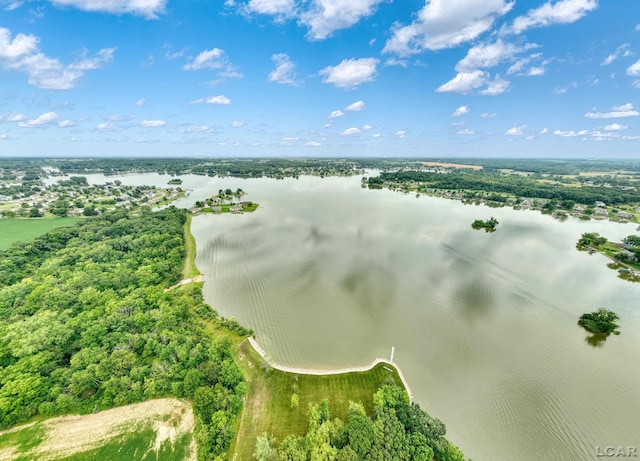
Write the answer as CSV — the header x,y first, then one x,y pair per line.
x,y
265,451
602,321
632,240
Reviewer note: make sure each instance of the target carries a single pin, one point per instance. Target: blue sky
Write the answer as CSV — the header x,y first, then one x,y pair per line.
x,y
434,78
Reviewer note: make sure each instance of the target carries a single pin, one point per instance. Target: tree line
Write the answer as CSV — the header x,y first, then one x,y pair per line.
x,y
512,185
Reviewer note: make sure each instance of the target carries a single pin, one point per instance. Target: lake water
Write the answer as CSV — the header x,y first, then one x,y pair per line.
x,y
484,325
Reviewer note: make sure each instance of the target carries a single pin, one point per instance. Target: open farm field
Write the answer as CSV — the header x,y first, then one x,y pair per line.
x,y
25,230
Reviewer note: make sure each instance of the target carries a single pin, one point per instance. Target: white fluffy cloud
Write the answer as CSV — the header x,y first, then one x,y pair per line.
x,y
350,72
622,50
484,56
273,7
336,114
237,123
21,54
634,69
324,17
516,131
465,131
21,45
400,133
106,127
145,8
220,100
444,24
40,121
570,133
625,110
496,86
355,107
560,12
615,127
284,73
214,58
12,117
460,111
464,82
153,123
351,131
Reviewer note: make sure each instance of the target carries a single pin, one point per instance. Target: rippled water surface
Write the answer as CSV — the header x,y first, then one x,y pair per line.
x,y
484,325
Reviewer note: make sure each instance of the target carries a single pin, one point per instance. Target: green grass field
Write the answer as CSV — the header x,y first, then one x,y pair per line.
x,y
268,402
25,230
190,270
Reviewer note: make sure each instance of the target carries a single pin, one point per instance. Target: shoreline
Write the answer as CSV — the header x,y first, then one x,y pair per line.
x,y
329,371
262,352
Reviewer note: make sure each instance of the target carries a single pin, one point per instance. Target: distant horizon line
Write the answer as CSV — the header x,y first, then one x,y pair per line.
x,y
171,157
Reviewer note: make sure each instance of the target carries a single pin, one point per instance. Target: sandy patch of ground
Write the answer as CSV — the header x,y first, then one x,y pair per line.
x,y
67,435
196,279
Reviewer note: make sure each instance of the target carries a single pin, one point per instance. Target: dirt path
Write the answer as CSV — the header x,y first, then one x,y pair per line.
x,y
312,371
197,278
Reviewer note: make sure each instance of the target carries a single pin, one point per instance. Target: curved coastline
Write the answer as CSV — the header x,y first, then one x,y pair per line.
x,y
190,268
336,371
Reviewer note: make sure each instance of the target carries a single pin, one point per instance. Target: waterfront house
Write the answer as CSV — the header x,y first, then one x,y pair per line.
x,y
624,215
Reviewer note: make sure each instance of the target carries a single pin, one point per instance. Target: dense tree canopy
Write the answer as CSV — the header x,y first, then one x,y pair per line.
x,y
513,185
86,324
602,321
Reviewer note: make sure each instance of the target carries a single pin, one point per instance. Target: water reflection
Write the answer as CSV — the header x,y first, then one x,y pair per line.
x,y
596,340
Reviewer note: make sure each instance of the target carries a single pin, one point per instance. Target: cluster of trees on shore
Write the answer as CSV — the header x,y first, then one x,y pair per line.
x,y
509,184
86,324
399,430
595,241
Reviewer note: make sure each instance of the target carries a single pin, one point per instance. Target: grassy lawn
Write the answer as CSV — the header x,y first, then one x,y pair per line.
x,y
24,230
190,270
268,408
138,445
610,249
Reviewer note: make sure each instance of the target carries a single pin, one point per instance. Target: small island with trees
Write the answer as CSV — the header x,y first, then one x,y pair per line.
x,y
602,322
224,203
489,225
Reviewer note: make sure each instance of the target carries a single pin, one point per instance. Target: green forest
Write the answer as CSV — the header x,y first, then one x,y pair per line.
x,y
86,325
